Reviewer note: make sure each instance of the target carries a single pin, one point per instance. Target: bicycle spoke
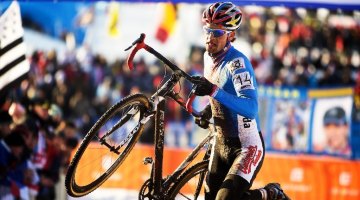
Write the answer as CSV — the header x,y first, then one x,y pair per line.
x,y
125,117
130,135
132,112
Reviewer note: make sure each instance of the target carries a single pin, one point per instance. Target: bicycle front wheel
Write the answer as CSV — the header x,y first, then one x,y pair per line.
x,y
190,183
106,145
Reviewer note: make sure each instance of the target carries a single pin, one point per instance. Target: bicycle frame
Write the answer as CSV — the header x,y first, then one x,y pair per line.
x,y
156,184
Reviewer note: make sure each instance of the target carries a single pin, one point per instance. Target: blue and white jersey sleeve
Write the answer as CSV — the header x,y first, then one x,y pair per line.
x,y
242,97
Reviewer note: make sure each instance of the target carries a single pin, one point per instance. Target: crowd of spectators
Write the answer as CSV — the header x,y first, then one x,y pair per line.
x,y
36,143
43,120
302,48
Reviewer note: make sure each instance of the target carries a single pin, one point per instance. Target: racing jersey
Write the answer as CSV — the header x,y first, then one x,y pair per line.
x,y
234,105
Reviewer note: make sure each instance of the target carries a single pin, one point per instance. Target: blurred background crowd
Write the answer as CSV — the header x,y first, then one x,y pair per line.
x,y
43,119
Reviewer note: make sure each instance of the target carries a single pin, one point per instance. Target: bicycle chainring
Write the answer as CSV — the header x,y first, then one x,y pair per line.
x,y
146,191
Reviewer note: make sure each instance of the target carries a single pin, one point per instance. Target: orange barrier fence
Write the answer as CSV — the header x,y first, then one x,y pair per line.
x,y
311,177
301,176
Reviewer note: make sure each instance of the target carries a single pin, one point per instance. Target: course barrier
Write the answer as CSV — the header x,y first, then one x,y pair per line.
x,y
308,177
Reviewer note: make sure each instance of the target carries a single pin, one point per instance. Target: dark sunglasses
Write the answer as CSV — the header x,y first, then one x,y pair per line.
x,y
215,32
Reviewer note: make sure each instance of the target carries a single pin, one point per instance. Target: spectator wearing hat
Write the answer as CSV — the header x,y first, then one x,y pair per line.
x,y
336,130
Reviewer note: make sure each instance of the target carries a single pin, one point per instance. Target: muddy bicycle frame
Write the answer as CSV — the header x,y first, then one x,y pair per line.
x,y
156,186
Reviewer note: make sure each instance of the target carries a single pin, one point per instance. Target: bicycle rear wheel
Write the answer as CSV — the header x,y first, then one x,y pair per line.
x,y
190,183
106,145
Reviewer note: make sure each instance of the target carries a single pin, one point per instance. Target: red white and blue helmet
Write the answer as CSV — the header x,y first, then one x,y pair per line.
x,y
225,14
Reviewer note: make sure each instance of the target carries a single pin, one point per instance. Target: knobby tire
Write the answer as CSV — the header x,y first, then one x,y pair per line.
x,y
137,101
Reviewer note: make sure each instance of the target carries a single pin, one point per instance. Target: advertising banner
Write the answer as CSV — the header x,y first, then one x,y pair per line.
x,y
331,126
303,177
305,120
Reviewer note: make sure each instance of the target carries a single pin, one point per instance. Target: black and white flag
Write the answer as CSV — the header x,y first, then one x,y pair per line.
x,y
14,66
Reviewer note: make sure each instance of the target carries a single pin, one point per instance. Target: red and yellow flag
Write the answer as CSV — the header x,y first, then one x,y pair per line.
x,y
167,23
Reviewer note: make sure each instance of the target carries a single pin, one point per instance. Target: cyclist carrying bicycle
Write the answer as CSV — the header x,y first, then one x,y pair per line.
x,y
229,80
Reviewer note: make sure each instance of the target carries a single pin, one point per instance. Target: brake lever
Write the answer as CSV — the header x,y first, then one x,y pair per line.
x,y
139,40
189,103
139,45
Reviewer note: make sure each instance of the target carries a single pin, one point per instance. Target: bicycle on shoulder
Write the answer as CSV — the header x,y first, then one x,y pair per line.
x,y
117,131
